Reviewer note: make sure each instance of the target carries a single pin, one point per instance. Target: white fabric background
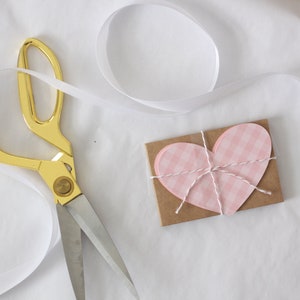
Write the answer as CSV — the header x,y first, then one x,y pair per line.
x,y
251,255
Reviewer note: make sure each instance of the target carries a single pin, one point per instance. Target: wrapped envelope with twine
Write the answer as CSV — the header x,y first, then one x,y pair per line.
x,y
214,172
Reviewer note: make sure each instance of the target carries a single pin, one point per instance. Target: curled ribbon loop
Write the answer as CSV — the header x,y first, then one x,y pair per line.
x,y
207,73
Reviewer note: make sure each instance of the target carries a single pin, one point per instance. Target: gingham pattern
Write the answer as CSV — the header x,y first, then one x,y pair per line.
x,y
239,149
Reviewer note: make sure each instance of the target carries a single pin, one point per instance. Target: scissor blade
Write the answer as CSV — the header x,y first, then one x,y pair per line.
x,y
71,240
84,214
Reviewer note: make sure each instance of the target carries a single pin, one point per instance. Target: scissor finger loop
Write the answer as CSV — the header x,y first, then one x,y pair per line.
x,y
49,129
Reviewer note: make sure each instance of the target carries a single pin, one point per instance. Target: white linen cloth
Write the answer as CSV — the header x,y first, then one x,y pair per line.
x,y
250,255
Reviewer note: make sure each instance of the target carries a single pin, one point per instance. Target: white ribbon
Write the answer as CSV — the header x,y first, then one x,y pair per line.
x,y
208,93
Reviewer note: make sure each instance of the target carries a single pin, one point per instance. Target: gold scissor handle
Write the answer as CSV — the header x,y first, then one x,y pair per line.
x,y
58,173
49,130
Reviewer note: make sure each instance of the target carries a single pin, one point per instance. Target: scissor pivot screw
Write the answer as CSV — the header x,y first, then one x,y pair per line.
x,y
63,186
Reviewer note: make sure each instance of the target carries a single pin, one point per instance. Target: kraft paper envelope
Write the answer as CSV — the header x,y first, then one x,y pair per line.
x,y
168,203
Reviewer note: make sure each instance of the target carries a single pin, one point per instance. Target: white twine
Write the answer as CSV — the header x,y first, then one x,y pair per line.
x,y
210,163
215,168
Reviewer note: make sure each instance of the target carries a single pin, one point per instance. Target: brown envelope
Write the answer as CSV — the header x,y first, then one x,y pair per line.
x,y
168,203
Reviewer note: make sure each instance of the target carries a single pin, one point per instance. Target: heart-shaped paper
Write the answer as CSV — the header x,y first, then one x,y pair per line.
x,y
239,157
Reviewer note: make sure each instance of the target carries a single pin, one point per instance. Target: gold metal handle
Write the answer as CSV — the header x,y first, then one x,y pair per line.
x,y
59,173
49,130
55,174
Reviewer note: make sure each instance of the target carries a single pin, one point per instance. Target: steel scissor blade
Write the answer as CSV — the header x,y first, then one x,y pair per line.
x,y
71,240
85,216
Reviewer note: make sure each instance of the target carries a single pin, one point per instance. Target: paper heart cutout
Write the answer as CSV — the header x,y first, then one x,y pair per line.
x,y
240,157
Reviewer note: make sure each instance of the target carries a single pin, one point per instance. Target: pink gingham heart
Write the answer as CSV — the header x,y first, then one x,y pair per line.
x,y
238,159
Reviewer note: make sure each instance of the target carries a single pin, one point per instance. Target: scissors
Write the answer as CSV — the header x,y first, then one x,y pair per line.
x,y
75,214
